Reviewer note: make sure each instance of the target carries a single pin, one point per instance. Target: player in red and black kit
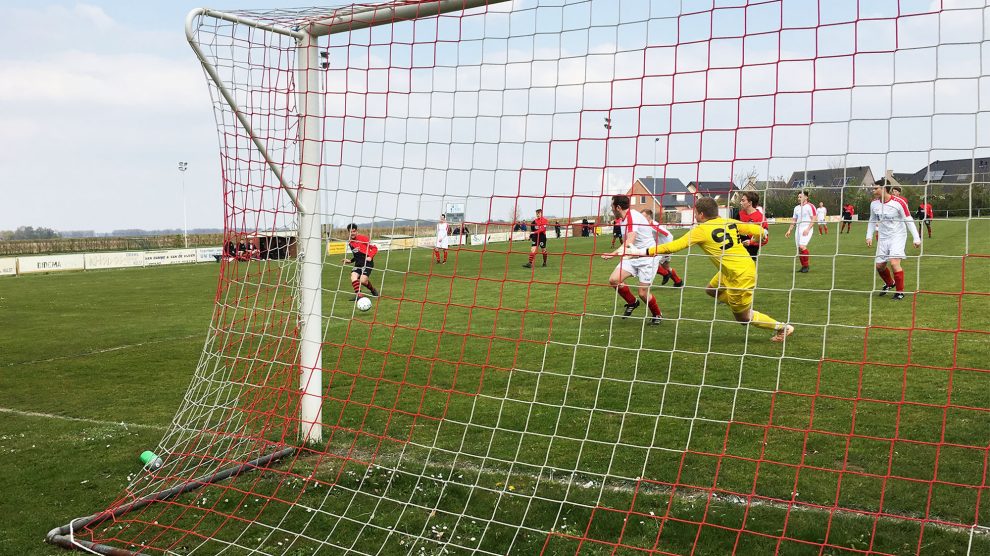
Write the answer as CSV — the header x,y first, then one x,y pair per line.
x,y
847,218
616,234
538,238
363,257
925,214
750,211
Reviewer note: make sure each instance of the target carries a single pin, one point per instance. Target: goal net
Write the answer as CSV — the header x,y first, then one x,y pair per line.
x,y
486,407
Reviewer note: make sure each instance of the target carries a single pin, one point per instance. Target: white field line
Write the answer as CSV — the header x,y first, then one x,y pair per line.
x,y
590,483
80,419
99,351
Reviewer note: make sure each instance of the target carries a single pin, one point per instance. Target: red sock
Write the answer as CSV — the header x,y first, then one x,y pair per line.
x,y
625,293
531,257
371,288
674,276
544,257
662,271
444,255
899,280
804,256
436,255
654,308
356,284
885,276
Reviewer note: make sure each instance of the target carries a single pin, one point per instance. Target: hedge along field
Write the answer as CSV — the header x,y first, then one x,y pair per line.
x,y
84,352
14,248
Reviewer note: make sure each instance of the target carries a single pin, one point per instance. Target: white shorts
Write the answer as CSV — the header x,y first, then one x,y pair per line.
x,y
443,243
643,268
663,259
803,240
890,249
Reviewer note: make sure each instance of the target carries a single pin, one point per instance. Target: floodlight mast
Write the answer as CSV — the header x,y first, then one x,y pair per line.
x,y
305,195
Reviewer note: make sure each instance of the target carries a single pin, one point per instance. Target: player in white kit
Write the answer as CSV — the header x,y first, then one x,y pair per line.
x,y
636,233
821,212
662,235
804,221
443,240
892,222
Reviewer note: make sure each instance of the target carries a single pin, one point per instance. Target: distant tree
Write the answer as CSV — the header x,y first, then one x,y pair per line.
x,y
30,232
742,178
514,215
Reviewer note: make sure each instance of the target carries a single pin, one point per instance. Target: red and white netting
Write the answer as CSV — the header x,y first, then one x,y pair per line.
x,y
484,408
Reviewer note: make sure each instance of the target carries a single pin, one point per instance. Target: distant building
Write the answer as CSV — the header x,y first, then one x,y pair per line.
x,y
658,194
832,177
718,190
760,186
950,174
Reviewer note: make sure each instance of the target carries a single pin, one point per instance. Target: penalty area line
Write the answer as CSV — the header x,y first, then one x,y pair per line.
x,y
79,419
99,351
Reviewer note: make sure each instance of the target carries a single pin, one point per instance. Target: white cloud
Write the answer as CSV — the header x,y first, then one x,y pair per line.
x,y
94,15
99,80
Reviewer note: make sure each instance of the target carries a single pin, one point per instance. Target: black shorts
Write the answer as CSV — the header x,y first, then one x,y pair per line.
x,y
538,240
754,250
617,232
846,217
365,267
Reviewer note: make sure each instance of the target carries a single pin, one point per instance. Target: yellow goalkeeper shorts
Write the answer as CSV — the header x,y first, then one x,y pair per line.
x,y
739,297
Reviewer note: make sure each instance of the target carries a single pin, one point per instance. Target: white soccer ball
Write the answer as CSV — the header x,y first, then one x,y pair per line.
x,y
364,304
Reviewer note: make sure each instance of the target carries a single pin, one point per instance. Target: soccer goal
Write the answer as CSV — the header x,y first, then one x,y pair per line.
x,y
496,405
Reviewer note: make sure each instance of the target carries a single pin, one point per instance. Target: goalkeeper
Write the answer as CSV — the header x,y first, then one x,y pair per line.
x,y
736,279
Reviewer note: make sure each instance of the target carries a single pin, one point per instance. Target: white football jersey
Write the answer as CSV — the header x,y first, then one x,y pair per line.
x,y
892,220
821,212
661,234
636,222
875,206
442,228
804,214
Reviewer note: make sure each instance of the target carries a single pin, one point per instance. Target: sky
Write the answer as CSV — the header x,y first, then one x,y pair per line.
x,y
100,100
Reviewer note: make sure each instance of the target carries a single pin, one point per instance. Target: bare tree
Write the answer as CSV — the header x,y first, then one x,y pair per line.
x,y
742,178
514,215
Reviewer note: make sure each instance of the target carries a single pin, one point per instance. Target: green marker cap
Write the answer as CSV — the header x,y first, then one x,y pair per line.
x,y
147,457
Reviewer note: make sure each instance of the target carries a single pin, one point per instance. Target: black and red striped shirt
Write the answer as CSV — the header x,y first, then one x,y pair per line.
x,y
361,248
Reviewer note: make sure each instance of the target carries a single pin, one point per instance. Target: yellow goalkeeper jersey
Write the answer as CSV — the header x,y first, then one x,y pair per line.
x,y
720,239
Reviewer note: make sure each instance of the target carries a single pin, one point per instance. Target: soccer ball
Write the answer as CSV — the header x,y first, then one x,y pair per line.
x,y
364,304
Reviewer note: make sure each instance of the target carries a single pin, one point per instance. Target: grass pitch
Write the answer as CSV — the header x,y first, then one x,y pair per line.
x,y
547,403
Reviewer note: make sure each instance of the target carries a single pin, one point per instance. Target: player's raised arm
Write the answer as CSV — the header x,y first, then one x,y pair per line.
x,y
750,229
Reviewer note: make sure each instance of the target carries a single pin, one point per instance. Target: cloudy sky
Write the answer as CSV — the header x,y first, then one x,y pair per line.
x,y
100,100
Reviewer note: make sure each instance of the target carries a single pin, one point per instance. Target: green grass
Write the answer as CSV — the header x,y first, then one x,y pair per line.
x,y
503,407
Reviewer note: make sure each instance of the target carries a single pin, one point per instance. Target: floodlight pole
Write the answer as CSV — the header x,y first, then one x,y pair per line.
x,y
183,166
